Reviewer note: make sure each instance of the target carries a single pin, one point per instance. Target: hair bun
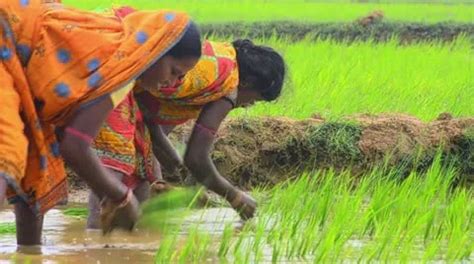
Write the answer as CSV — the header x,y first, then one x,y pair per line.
x,y
243,44
261,68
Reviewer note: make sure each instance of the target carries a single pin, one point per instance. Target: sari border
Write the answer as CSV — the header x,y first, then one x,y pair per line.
x,y
40,205
140,72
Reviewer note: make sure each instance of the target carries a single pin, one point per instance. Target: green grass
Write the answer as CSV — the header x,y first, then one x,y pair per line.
x,y
79,212
336,79
324,217
212,11
7,229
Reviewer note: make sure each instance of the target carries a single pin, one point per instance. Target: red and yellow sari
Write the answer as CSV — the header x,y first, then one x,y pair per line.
x,y
55,60
215,76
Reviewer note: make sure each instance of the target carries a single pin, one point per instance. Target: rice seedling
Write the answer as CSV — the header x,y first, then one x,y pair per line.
x,y
76,212
7,229
166,211
325,216
336,79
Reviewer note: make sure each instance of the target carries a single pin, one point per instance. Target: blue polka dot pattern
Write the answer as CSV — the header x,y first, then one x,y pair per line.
x,y
55,149
24,52
93,65
63,56
7,32
169,17
24,2
62,90
5,53
94,81
141,37
43,162
39,104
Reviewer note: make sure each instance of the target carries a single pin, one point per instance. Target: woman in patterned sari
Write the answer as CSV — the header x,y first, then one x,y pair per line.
x,y
228,75
62,71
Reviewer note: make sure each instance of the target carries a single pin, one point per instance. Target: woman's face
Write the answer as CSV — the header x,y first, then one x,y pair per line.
x,y
166,72
247,97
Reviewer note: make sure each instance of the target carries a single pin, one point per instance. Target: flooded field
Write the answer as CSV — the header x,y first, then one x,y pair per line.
x,y
321,217
66,240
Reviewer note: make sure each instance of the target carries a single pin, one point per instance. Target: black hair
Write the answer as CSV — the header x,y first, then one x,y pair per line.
x,y
260,68
189,45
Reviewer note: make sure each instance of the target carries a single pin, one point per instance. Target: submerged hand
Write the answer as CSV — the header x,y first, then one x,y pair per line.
x,y
123,216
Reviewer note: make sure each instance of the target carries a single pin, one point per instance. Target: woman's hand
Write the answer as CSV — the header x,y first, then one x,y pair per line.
x,y
123,216
199,162
159,187
244,204
76,150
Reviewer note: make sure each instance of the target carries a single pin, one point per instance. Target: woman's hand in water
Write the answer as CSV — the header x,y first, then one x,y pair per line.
x,y
244,204
159,187
122,216
128,216
198,158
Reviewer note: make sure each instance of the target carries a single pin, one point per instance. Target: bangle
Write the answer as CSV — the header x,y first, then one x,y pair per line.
x,y
80,135
206,129
125,200
237,199
157,182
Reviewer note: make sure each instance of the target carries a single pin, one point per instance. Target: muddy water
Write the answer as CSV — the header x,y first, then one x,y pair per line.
x,y
66,241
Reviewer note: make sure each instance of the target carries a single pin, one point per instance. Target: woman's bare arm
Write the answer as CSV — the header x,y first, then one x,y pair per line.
x,y
78,153
198,160
3,189
163,149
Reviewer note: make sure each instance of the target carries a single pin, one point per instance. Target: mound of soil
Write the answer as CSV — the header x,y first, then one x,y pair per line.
x,y
265,151
371,28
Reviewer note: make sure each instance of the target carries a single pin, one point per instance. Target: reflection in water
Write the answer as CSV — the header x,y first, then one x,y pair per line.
x,y
66,240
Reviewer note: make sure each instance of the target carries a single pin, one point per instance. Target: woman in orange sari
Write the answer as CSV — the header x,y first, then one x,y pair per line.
x,y
228,75
62,71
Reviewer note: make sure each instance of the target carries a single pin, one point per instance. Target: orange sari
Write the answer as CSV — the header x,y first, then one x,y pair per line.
x,y
55,60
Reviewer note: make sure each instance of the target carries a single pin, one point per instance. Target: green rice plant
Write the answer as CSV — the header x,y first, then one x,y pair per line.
x,y
225,241
7,229
336,79
317,217
195,247
458,227
259,239
167,210
166,248
79,212
214,11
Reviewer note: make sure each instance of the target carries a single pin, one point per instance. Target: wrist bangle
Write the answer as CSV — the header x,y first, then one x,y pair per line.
x,y
125,200
79,135
206,129
237,199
